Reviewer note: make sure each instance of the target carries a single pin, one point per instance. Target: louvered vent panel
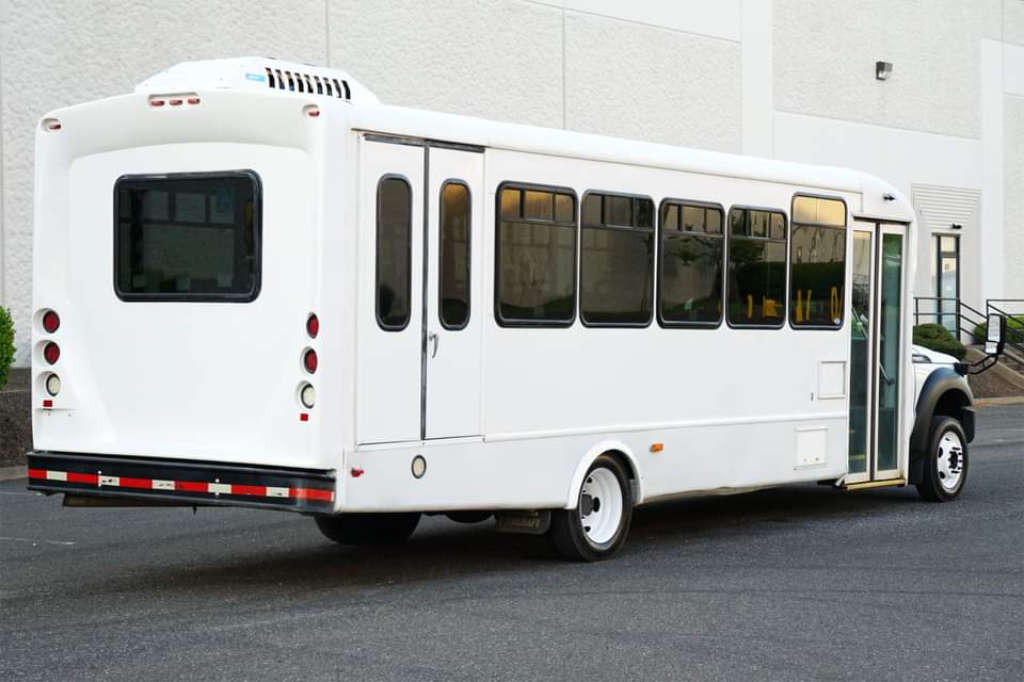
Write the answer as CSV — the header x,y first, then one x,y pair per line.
x,y
940,207
309,83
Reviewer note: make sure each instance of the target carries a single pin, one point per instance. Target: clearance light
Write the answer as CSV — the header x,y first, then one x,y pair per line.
x,y
51,322
53,384
193,100
176,102
51,353
307,396
156,102
310,361
312,325
657,447
51,124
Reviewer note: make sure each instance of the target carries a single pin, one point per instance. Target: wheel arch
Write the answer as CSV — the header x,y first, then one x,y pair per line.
x,y
945,393
620,451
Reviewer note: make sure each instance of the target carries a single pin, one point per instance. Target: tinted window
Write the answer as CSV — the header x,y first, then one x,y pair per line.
x,y
536,256
757,267
817,262
188,237
394,246
616,259
454,256
691,254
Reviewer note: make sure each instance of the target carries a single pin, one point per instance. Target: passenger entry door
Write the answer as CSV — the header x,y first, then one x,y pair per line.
x,y
876,352
451,354
390,311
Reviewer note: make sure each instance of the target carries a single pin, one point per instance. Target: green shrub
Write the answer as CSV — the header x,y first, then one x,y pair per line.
x,y
1014,331
939,339
6,345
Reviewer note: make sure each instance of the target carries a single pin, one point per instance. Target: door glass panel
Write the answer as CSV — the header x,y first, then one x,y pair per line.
x,y
860,353
453,277
947,271
889,351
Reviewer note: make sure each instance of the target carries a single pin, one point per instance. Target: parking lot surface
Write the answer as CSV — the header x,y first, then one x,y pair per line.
x,y
795,583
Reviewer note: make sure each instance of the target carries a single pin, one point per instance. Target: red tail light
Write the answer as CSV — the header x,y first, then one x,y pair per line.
x,y
312,326
51,353
51,322
310,361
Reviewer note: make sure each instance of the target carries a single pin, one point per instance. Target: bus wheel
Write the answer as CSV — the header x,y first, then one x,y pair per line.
x,y
469,516
368,529
945,465
597,528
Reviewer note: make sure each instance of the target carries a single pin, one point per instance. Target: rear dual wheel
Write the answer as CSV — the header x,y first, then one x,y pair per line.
x,y
597,527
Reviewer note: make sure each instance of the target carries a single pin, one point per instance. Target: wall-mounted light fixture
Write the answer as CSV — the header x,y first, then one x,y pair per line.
x,y
956,226
883,70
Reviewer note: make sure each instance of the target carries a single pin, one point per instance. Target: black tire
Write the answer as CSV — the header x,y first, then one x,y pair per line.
x,y
945,459
469,516
368,529
569,534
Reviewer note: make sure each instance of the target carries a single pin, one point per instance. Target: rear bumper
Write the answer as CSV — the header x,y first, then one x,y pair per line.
x,y
200,483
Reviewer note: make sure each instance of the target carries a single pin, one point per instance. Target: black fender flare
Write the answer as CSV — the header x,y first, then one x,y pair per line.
x,y
939,383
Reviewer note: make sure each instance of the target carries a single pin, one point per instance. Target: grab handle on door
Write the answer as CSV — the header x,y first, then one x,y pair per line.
x,y
432,338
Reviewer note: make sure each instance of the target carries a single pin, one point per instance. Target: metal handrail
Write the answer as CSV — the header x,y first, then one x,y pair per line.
x,y
958,313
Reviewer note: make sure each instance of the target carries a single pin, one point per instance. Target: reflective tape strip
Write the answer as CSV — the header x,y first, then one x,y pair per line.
x,y
215,488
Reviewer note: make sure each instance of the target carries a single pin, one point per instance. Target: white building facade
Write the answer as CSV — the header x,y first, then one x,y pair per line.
x,y
788,79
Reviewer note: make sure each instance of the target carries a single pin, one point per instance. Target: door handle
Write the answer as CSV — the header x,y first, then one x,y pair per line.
x,y
432,338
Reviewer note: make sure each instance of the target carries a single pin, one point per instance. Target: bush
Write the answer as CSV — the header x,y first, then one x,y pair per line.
x,y
939,339
6,345
1014,331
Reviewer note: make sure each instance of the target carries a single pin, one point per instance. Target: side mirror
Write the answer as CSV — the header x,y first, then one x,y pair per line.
x,y
996,334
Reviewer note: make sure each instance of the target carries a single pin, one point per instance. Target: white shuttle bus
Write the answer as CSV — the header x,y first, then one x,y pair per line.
x,y
256,285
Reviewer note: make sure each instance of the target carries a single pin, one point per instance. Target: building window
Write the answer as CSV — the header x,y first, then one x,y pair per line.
x,y
394,253
817,261
616,260
535,282
187,237
454,255
757,268
691,248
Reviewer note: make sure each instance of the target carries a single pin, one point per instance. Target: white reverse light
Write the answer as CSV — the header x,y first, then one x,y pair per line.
x,y
53,384
307,396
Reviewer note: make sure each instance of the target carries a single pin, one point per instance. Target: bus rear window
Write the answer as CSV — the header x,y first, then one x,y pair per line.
x,y
187,237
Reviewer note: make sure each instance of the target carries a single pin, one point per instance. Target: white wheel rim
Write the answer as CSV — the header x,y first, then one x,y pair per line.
x,y
600,506
950,461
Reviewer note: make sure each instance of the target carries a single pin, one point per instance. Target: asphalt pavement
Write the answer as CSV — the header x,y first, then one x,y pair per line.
x,y
796,583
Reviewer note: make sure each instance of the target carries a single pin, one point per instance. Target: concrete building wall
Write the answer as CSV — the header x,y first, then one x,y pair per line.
x,y
792,79
1014,193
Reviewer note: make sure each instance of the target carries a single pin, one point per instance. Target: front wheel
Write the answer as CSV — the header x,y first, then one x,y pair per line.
x,y
945,464
368,529
597,527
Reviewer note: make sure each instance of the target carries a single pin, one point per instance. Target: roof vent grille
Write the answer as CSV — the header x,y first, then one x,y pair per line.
x,y
295,81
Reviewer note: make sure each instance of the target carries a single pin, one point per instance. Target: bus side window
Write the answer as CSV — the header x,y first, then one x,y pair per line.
x,y
394,253
817,262
757,268
535,278
454,255
691,255
616,260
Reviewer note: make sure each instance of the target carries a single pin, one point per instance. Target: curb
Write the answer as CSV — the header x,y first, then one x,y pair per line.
x,y
13,473
1009,400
